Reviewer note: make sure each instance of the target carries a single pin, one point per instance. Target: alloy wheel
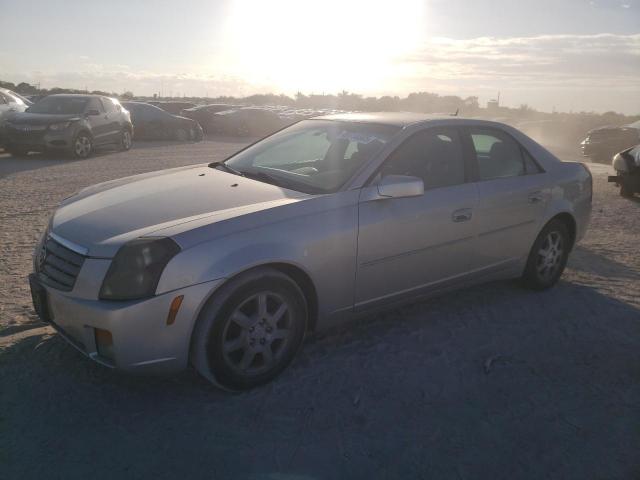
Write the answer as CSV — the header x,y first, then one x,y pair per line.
x,y
550,255
257,334
126,139
82,146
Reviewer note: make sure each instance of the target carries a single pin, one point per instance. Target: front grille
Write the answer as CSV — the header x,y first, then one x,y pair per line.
x,y
26,133
57,266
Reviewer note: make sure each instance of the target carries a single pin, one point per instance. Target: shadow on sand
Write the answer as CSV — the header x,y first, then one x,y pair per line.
x,y
491,382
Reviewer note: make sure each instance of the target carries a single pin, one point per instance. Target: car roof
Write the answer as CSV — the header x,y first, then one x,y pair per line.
x,y
402,119
76,95
397,119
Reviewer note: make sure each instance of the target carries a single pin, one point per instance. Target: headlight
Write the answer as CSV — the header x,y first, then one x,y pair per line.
x,y
56,127
136,269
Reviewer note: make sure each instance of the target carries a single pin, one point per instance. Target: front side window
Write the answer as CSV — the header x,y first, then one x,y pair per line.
x,y
434,155
60,105
497,155
313,156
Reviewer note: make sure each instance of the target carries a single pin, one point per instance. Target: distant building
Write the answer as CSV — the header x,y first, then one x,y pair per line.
x,y
494,104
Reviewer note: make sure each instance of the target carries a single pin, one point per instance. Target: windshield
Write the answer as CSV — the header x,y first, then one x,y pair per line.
x,y
60,105
313,156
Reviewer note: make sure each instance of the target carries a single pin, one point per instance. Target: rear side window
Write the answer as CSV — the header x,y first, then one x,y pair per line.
x,y
109,107
499,156
95,104
434,155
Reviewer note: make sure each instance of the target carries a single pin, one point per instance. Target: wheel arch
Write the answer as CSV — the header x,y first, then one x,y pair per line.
x,y
85,130
569,221
293,271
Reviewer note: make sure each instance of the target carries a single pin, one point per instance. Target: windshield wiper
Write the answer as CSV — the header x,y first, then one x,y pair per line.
x,y
226,167
264,177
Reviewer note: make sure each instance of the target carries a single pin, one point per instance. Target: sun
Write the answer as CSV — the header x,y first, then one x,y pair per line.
x,y
322,46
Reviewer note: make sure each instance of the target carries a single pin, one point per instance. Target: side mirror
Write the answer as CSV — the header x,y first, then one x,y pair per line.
x,y
92,113
398,186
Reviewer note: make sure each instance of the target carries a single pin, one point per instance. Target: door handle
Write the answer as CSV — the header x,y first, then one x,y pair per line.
x,y
536,197
462,215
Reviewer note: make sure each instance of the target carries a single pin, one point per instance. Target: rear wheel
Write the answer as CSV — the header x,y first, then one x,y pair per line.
x,y
250,330
126,140
548,256
182,135
82,146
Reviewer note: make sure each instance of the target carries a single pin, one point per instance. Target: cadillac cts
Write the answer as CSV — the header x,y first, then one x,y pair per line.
x,y
227,266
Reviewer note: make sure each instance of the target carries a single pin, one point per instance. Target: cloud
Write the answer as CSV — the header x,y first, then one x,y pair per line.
x,y
120,78
561,61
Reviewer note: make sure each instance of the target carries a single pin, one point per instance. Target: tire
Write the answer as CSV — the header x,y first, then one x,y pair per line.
x,y
258,312
182,135
548,257
82,146
126,140
625,190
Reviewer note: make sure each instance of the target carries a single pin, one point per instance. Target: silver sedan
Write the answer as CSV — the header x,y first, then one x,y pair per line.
x,y
227,266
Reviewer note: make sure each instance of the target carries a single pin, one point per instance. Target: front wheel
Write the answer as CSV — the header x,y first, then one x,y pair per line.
x,y
250,330
82,146
548,256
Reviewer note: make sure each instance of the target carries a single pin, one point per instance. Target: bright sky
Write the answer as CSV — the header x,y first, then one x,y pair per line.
x,y
567,54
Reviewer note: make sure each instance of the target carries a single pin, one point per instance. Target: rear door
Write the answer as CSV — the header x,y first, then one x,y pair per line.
x,y
513,195
411,245
99,123
112,116
5,107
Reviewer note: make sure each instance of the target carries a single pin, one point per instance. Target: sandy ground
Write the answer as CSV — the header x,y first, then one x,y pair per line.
x,y
488,383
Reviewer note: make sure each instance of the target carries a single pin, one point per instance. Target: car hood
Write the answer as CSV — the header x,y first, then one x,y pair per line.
x,y
103,217
26,118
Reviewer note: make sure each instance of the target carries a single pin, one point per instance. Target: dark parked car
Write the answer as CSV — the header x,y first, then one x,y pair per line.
x,y
247,122
627,167
173,108
71,123
153,123
205,114
602,143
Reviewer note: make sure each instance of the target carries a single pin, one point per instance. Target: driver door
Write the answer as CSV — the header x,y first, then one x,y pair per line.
x,y
411,245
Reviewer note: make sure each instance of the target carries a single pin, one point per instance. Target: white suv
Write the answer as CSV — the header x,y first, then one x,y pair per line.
x,y
10,102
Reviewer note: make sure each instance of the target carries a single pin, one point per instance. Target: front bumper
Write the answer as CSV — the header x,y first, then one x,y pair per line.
x,y
142,340
38,139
